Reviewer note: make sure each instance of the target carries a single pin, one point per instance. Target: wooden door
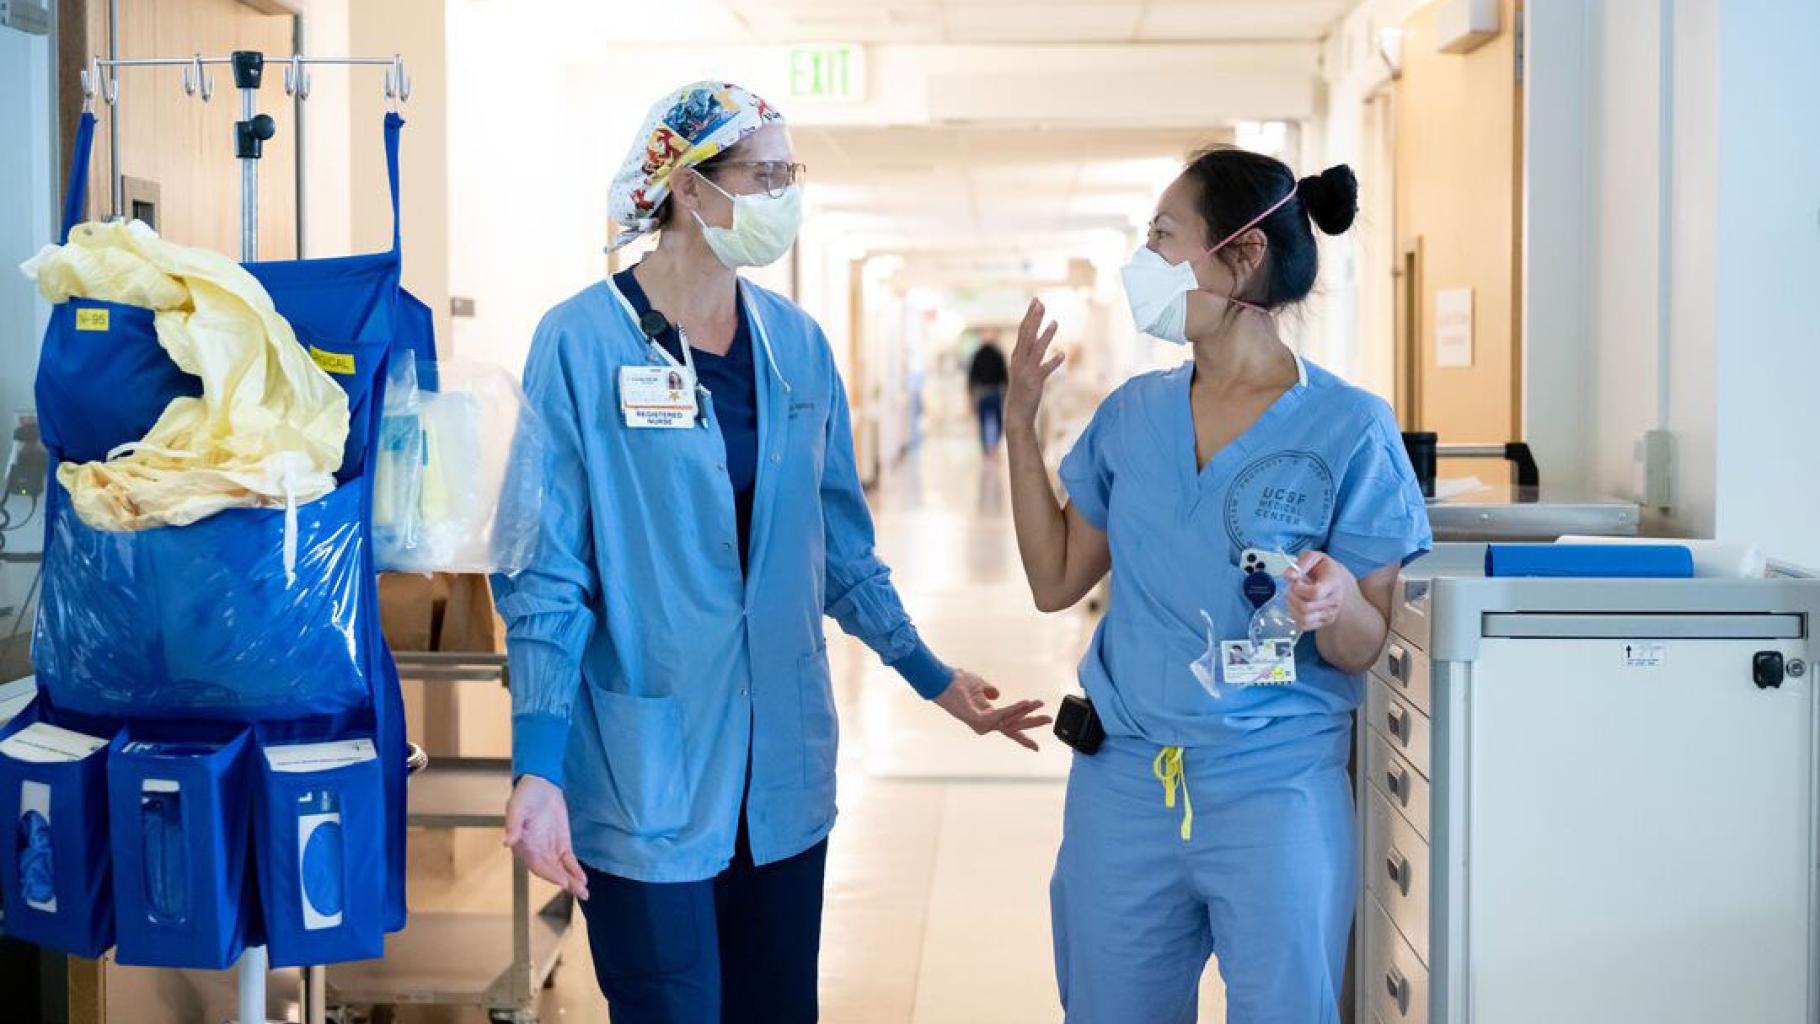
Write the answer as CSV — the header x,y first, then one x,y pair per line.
x,y
178,147
1459,226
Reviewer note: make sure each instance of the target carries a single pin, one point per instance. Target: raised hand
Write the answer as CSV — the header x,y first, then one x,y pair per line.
x,y
1031,368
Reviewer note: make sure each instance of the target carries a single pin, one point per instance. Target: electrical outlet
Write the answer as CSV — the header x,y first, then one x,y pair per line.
x,y
1653,459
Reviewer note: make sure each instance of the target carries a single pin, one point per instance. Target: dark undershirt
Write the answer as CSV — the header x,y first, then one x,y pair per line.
x,y
732,382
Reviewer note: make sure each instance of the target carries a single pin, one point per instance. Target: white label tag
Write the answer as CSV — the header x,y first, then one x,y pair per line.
x,y
319,757
1639,654
657,397
1272,664
41,743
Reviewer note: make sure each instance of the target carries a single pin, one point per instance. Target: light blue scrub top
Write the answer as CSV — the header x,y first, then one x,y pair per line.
x,y
1323,468
644,665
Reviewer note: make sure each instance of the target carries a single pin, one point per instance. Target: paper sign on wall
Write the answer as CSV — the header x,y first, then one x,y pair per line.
x,y
1453,327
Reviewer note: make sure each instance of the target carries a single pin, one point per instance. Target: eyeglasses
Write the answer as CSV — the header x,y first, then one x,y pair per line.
x,y
771,176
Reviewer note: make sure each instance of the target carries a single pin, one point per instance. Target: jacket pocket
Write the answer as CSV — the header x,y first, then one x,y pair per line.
x,y
647,761
821,725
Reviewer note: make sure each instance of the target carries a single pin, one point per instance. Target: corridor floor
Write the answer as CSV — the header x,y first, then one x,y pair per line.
x,y
938,874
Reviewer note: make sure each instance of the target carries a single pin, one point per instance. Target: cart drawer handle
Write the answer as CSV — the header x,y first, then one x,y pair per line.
x,y
1399,664
1398,723
1397,778
1397,867
1399,989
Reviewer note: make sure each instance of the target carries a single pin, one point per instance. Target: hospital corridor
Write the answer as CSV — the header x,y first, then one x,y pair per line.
x,y
938,878
909,512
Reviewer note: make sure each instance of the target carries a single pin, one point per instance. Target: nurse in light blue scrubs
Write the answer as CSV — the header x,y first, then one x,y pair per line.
x,y
673,726
1216,819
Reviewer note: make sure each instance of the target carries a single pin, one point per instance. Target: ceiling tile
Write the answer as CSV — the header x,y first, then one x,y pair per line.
x,y
1273,20
1095,22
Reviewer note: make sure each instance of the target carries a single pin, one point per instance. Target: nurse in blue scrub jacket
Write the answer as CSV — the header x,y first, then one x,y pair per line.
x,y
673,724
1216,818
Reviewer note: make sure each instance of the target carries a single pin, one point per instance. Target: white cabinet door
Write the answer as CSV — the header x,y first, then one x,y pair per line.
x,y
1641,838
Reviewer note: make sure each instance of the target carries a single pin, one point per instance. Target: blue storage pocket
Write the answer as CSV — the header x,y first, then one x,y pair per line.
x,y
354,364
200,621
343,312
180,813
54,869
320,835
103,379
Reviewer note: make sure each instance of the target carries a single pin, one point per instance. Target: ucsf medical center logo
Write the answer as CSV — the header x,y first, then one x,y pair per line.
x,y
1280,502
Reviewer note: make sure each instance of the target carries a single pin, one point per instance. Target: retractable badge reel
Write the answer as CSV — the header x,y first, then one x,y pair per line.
x,y
1266,657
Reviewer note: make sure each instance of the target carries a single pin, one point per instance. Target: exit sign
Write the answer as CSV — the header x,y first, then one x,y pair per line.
x,y
828,74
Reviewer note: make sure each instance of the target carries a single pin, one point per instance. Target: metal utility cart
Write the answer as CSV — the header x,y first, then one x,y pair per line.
x,y
498,962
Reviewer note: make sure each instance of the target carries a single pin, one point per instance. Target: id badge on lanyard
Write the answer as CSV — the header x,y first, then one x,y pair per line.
x,y
658,397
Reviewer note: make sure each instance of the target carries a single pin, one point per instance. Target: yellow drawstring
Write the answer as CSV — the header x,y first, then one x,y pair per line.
x,y
1168,770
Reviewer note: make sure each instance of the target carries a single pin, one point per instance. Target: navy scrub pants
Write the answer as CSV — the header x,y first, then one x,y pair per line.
x,y
740,948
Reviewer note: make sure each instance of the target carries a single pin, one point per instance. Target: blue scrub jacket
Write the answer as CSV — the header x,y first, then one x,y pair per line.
x,y
645,667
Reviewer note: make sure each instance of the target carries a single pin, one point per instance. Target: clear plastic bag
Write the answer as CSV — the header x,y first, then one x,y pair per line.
x,y
1271,639
457,481
206,621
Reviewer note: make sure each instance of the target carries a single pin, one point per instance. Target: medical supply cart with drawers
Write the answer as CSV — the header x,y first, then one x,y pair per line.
x,y
1590,801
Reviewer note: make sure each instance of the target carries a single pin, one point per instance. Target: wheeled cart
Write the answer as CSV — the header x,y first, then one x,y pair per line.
x,y
498,962
1590,801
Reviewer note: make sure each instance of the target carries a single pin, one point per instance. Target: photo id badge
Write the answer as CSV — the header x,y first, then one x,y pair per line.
x,y
657,397
1271,663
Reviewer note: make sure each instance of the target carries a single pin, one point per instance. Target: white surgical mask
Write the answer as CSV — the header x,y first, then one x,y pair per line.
x,y
1158,293
764,227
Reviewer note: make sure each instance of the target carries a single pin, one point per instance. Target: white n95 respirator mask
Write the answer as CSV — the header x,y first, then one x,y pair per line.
x,y
764,227
1158,293
1158,289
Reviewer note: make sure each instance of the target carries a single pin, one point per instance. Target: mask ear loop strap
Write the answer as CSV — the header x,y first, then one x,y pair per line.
x,y
1247,226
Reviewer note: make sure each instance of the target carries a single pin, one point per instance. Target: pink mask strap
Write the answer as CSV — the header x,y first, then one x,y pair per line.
x,y
1252,223
1247,226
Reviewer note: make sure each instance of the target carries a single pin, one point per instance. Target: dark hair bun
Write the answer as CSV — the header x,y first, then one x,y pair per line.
x,y
1331,198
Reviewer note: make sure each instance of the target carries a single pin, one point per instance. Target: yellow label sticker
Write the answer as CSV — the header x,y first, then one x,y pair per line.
x,y
333,362
91,319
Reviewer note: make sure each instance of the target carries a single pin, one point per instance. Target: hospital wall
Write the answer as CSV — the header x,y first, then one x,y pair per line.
x,y
1355,319
1675,182
346,207
25,159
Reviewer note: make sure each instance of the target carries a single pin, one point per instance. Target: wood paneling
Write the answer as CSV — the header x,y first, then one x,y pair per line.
x,y
1459,195
185,145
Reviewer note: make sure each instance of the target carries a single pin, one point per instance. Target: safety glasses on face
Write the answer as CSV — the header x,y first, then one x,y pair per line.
x,y
771,176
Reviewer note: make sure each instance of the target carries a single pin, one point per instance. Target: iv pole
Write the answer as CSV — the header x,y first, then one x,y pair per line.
x,y
251,133
254,129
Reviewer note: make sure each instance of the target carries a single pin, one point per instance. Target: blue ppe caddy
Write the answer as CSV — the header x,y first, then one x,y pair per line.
x,y
55,876
179,811
192,636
